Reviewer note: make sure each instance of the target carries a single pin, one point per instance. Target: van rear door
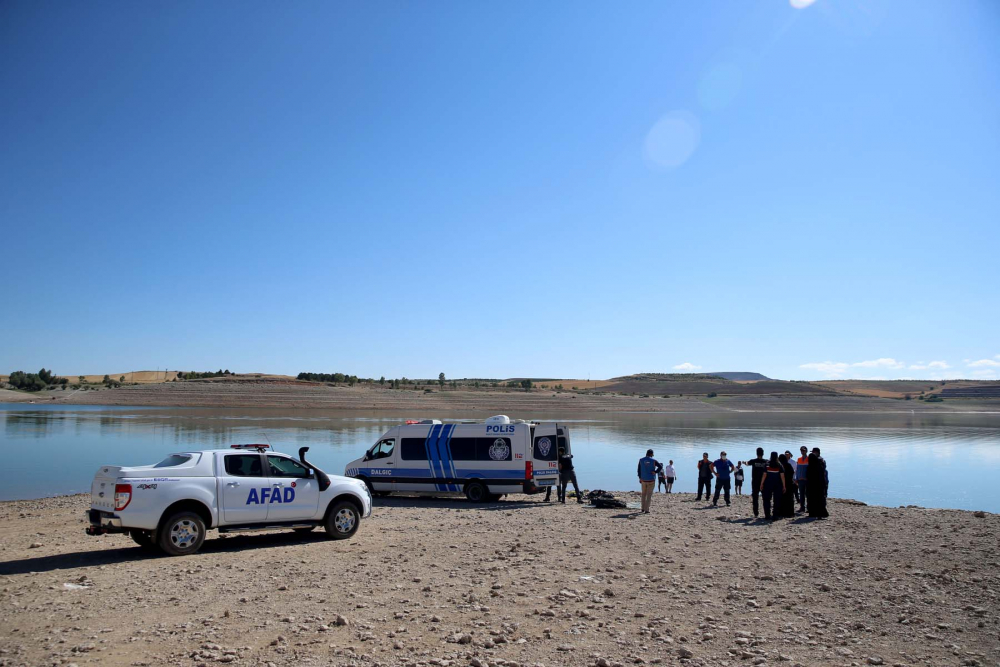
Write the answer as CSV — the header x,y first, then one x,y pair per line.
x,y
545,454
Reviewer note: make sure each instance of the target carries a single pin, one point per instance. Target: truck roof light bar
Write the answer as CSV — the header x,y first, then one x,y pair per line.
x,y
259,448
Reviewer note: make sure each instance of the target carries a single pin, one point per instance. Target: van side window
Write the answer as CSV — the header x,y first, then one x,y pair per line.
x,y
493,449
463,449
545,449
413,449
244,465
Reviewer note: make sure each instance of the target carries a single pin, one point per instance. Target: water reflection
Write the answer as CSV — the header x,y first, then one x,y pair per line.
x,y
889,459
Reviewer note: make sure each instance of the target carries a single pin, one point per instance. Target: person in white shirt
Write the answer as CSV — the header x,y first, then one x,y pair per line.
x,y
669,475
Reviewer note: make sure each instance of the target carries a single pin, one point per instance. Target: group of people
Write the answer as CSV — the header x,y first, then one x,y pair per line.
x,y
780,481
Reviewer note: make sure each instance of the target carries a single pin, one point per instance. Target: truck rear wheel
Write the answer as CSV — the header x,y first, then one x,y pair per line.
x,y
476,492
342,520
144,538
182,534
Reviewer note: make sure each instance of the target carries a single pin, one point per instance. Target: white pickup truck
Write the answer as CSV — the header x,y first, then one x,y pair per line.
x,y
174,503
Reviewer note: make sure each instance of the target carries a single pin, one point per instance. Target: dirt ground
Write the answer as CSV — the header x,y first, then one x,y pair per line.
x,y
512,584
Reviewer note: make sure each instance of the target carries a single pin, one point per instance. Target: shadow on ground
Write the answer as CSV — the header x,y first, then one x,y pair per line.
x,y
123,554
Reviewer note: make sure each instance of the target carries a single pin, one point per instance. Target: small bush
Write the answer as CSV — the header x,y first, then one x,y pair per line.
x,y
712,394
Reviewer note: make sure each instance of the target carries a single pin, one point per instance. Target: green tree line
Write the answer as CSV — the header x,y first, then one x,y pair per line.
x,y
35,381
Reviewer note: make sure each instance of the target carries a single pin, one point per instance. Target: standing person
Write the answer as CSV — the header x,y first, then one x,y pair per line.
x,y
738,478
816,485
787,498
671,474
801,472
772,487
705,476
722,467
566,475
757,468
647,478
661,478
791,459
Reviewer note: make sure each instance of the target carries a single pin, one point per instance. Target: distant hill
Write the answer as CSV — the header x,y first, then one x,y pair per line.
x,y
674,384
737,376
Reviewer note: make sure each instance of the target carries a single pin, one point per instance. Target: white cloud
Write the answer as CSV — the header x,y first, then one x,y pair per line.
x,y
827,367
988,374
687,366
938,365
884,362
984,363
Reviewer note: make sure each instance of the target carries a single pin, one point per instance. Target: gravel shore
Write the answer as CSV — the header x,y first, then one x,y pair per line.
x,y
305,395
515,583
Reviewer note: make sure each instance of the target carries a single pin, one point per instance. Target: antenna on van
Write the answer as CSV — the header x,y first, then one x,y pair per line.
x,y
266,438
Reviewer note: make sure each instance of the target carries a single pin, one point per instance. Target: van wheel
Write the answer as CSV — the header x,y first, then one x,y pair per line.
x,y
182,534
144,538
476,492
342,520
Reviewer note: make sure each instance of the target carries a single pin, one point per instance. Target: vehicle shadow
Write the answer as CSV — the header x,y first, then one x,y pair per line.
x,y
459,503
124,554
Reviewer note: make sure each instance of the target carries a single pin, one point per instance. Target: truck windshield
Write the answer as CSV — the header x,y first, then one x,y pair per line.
x,y
173,460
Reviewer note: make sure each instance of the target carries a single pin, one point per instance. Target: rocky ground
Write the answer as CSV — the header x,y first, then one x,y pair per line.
x,y
516,583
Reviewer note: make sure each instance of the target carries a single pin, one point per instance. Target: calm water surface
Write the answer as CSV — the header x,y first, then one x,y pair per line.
x,y
941,460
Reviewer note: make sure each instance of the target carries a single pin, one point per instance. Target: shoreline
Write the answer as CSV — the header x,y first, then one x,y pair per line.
x,y
536,497
518,583
306,396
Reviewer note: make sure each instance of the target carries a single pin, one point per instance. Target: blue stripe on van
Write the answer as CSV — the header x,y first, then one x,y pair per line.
x,y
451,462
428,445
444,458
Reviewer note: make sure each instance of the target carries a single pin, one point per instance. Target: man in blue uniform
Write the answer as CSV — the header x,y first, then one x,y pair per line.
x,y
722,467
647,478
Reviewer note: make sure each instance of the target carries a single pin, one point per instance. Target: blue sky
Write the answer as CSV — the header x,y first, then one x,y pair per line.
x,y
502,189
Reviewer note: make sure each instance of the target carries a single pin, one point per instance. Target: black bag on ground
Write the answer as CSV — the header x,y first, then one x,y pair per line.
x,y
604,500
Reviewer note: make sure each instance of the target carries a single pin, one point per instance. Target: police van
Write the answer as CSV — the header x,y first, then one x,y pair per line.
x,y
482,460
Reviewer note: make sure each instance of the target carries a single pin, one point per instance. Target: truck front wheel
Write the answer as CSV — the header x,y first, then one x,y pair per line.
x,y
343,520
182,534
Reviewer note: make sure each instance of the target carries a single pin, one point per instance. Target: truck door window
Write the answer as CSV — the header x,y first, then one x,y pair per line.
x,y
280,466
244,465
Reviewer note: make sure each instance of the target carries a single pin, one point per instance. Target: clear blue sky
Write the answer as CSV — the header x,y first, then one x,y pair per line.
x,y
501,189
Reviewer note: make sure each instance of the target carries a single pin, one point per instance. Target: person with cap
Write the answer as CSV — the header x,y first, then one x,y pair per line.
x,y
721,467
801,472
738,478
671,475
757,468
647,478
816,485
705,476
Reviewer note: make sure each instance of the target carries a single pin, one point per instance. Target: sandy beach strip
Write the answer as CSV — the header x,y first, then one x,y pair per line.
x,y
302,395
518,582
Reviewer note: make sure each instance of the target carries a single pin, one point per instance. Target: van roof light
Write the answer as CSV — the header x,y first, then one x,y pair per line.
x,y
259,448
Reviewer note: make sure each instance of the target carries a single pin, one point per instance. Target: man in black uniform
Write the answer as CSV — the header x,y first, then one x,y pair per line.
x,y
566,475
758,466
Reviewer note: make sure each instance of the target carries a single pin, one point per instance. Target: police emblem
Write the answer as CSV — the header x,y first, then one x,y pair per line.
x,y
544,446
499,450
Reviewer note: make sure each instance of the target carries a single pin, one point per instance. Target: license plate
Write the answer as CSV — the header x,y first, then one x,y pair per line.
x,y
546,482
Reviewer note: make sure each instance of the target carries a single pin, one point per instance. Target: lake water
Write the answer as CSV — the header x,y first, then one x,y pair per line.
x,y
941,460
